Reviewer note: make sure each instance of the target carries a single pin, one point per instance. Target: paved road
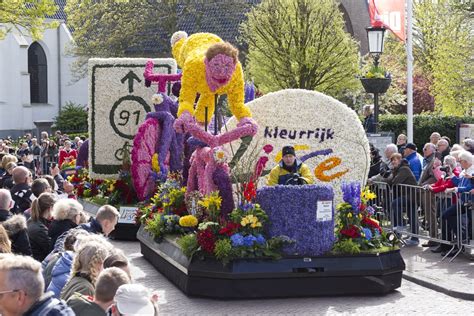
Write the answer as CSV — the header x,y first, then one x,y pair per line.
x,y
410,299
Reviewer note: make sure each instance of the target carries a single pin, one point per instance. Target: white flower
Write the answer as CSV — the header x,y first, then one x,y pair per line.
x,y
302,117
157,99
220,156
205,225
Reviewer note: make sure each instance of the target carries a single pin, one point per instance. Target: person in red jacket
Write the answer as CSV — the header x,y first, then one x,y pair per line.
x,y
67,154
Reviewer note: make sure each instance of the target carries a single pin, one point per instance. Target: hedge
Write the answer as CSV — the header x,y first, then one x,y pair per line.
x,y
423,126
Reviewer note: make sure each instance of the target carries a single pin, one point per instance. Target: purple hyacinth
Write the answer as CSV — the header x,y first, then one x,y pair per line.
x,y
351,194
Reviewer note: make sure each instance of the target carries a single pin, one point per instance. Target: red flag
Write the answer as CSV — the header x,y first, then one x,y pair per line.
x,y
389,13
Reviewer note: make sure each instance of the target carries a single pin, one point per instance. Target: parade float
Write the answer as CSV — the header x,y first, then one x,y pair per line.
x,y
207,220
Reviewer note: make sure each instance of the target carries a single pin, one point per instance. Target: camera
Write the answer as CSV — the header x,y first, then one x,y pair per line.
x,y
445,169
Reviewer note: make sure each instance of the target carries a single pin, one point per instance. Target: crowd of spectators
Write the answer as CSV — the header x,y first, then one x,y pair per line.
x,y
39,155
433,181
54,258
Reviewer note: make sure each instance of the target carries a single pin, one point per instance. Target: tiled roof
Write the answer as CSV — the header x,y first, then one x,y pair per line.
x,y
207,17
60,14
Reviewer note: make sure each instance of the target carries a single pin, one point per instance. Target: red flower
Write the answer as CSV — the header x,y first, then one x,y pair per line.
x,y
230,229
207,240
371,224
351,232
250,191
362,207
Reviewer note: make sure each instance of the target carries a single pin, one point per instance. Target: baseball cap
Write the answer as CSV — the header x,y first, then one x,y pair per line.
x,y
288,150
134,300
410,146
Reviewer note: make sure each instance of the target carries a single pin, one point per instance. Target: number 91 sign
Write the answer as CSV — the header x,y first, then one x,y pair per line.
x,y
126,114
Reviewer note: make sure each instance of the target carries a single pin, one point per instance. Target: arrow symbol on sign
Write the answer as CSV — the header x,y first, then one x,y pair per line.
x,y
130,77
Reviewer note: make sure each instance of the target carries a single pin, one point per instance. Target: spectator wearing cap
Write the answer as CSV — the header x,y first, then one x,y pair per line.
x,y
290,170
133,300
22,288
410,154
106,286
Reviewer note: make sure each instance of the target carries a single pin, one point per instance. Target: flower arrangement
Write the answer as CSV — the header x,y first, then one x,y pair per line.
x,y
241,236
169,199
376,72
356,229
114,192
67,165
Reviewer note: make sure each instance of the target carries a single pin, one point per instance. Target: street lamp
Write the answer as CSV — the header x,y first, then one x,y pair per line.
x,y
375,36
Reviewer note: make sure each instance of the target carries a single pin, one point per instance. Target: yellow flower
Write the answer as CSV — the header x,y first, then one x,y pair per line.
x,y
154,163
360,215
250,220
212,200
188,221
349,215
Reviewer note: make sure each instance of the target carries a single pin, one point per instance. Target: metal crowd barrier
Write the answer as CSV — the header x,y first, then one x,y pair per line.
x,y
417,212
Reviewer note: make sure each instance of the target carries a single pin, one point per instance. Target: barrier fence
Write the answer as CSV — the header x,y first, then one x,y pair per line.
x,y
414,211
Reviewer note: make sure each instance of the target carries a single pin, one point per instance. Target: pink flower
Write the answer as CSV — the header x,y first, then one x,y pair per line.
x,y
268,148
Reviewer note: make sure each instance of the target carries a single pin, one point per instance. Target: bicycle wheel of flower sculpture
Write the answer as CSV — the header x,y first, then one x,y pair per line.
x,y
144,147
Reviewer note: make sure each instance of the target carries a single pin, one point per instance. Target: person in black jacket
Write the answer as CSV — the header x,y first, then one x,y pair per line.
x,y
15,225
375,161
21,191
38,225
67,215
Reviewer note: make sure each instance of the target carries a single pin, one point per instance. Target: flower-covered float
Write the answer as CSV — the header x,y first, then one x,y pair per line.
x,y
209,223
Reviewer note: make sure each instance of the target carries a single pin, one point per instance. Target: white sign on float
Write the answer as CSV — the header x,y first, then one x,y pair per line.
x,y
326,131
324,211
127,214
118,104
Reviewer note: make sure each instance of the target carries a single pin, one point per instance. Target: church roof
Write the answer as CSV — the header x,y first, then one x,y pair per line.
x,y
60,14
211,17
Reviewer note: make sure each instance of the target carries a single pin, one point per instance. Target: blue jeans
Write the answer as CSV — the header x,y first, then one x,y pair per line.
x,y
401,204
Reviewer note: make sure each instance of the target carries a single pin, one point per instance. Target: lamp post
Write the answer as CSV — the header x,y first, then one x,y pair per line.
x,y
375,36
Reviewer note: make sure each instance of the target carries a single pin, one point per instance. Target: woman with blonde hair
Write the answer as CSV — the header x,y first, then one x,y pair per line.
x,y
67,215
5,243
86,267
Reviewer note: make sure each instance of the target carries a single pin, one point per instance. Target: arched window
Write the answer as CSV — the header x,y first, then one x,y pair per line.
x,y
38,69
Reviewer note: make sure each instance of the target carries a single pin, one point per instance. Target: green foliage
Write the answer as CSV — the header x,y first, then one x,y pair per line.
x,y
300,44
223,250
443,49
376,72
346,246
161,225
26,16
189,244
423,126
72,118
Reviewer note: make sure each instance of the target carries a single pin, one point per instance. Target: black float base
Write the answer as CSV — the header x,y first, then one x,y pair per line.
x,y
122,231
371,274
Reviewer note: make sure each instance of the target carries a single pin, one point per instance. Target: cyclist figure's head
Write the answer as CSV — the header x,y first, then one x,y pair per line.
x,y
288,155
